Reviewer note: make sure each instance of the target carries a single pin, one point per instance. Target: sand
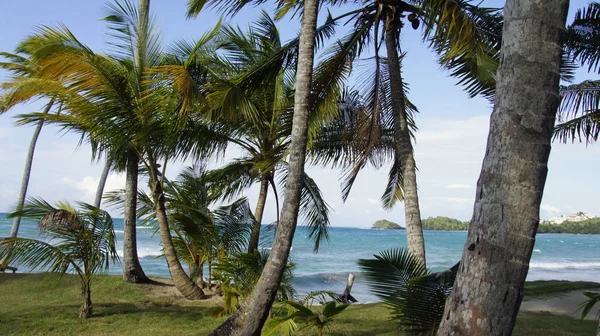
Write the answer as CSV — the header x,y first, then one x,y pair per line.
x,y
563,304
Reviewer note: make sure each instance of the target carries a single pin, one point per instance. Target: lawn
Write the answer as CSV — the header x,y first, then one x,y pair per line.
x,y
37,304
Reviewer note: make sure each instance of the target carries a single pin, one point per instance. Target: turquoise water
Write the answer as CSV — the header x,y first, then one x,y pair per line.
x,y
555,256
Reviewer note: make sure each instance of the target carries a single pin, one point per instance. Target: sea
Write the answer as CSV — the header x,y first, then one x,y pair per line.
x,y
574,257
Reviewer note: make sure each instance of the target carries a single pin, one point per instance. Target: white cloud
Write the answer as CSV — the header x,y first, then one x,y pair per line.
x,y
550,208
458,186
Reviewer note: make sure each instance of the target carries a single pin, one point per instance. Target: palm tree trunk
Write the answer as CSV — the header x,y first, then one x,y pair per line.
x,y
258,214
249,320
14,231
404,148
181,280
132,270
489,286
102,183
86,308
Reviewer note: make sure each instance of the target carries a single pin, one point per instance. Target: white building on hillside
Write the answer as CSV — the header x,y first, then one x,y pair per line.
x,y
570,218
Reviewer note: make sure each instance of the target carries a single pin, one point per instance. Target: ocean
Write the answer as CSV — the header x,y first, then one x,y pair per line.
x,y
555,256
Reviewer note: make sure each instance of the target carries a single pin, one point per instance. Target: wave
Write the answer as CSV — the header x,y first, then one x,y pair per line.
x,y
144,252
565,265
537,250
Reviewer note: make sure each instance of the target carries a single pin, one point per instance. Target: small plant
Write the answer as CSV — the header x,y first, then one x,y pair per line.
x,y
79,240
587,306
304,315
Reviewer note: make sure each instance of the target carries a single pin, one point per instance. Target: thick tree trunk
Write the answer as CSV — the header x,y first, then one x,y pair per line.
x,y
132,270
404,148
102,184
14,231
251,317
258,215
86,308
489,285
181,280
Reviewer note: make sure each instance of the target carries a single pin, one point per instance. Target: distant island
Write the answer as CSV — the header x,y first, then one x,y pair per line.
x,y
578,223
383,224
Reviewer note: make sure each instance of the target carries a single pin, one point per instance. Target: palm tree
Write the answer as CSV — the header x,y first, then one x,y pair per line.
x,y
81,240
263,128
489,284
415,296
465,37
579,110
129,118
24,77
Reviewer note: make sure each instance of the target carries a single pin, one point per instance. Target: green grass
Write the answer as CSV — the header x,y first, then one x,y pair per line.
x,y
35,304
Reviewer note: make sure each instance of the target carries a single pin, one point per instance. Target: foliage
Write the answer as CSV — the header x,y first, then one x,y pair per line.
x,y
415,296
579,115
81,240
587,226
587,306
239,274
303,313
444,224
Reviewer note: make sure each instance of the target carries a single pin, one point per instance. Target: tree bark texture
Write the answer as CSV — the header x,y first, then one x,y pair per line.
x,y
132,270
102,184
86,308
184,284
14,231
489,285
254,312
258,215
404,148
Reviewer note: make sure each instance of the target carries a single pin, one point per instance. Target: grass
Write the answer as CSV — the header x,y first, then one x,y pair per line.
x,y
540,289
37,304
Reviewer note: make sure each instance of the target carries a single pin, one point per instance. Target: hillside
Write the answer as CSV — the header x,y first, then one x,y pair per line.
x,y
386,225
444,224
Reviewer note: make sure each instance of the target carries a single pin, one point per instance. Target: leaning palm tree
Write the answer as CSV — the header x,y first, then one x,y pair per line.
x,y
579,115
24,73
251,317
79,240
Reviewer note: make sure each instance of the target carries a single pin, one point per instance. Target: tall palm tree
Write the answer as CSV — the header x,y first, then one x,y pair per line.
x,y
129,118
580,106
24,71
81,240
466,38
489,285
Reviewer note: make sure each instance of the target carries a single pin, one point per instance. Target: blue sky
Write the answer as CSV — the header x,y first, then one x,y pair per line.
x,y
449,148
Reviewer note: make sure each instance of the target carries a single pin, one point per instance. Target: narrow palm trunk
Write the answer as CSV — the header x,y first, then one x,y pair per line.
x,y
86,308
181,280
404,148
258,214
14,231
102,183
489,285
249,320
132,270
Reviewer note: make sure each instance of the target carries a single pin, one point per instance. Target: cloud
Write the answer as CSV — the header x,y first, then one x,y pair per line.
x,y
458,186
373,201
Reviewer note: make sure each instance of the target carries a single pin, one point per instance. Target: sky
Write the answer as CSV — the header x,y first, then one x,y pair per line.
x,y
449,148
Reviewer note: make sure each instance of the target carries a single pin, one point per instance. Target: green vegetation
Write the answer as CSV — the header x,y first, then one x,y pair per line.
x,y
387,225
588,226
32,305
444,224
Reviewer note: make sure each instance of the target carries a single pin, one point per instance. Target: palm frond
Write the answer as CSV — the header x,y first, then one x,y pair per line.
x,y
583,36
